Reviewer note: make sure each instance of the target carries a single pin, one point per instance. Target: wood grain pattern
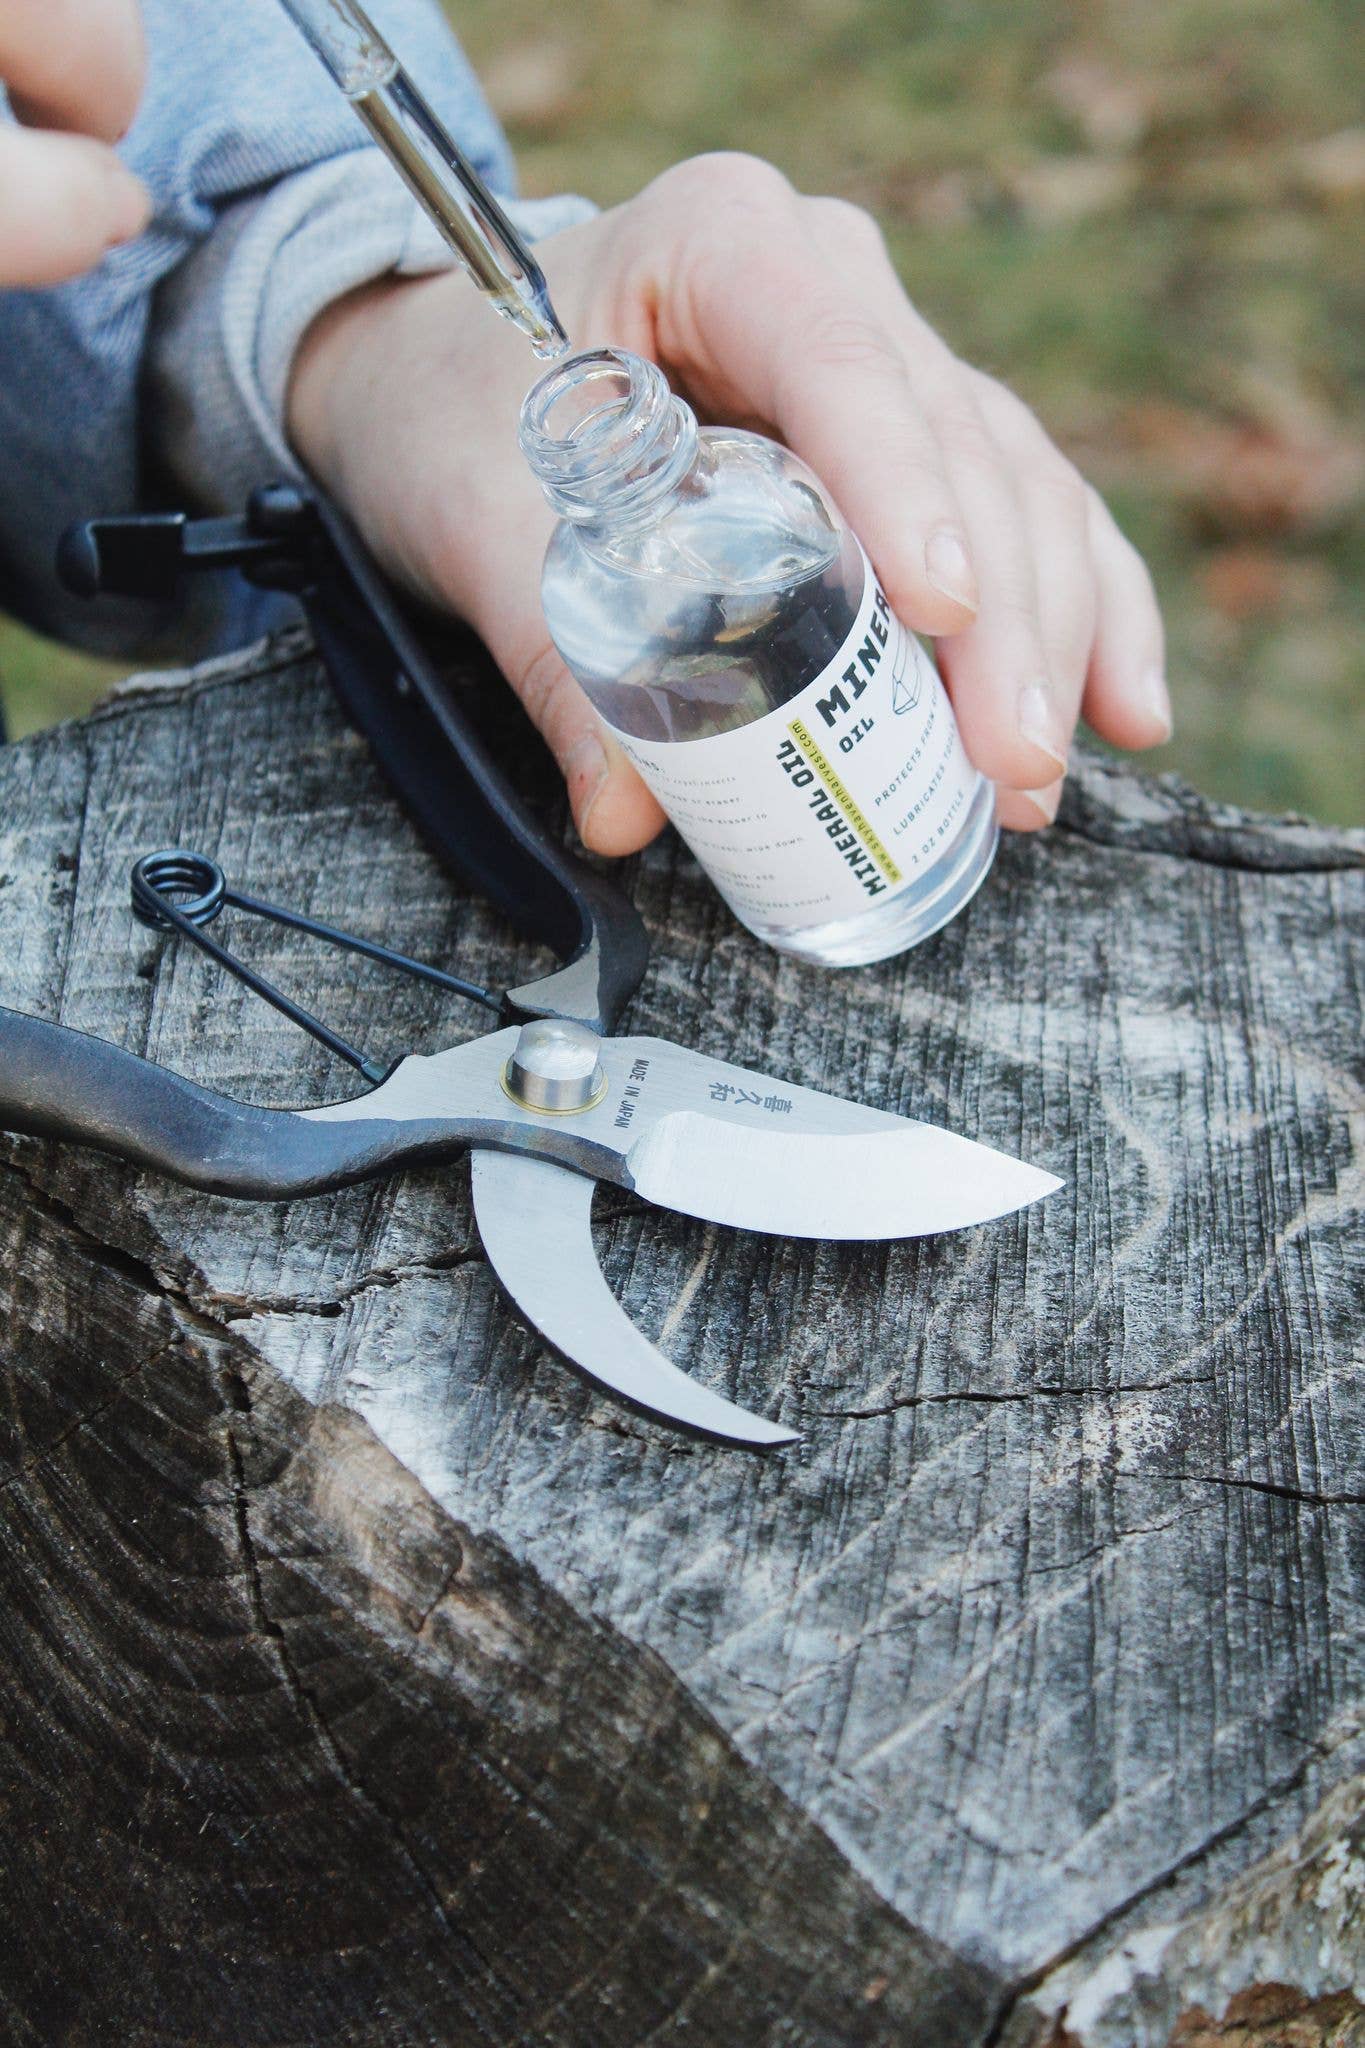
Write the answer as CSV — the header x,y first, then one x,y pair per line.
x,y
1047,1632
290,1757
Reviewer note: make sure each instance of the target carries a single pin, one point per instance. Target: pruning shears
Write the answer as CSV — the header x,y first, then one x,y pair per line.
x,y
551,1101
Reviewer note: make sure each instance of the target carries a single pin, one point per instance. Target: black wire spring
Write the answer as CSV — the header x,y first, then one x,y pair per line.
x,y
182,892
168,881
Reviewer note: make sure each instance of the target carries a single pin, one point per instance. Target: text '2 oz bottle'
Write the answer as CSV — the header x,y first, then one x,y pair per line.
x,y
730,631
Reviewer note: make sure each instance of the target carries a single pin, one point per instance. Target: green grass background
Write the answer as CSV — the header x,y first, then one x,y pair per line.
x,y
1147,219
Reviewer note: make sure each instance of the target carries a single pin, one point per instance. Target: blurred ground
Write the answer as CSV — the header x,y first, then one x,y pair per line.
x,y
1148,220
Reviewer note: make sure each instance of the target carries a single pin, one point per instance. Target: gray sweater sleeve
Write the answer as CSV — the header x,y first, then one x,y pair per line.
x,y
159,378
230,318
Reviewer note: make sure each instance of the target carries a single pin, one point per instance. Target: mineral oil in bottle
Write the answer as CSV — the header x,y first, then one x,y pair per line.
x,y
730,631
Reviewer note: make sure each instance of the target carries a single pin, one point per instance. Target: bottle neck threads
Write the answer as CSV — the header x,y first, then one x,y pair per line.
x,y
605,437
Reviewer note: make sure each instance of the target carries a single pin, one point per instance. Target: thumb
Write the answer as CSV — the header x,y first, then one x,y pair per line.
x,y
64,200
613,811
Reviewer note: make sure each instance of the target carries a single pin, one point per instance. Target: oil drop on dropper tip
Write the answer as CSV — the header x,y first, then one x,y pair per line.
x,y
730,631
550,342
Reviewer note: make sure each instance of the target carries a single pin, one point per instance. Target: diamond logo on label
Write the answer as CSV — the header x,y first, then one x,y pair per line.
x,y
905,695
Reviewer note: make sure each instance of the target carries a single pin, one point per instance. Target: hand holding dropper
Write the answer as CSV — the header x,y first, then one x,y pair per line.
x,y
433,167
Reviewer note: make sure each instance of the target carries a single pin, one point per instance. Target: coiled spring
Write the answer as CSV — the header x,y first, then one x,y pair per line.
x,y
183,892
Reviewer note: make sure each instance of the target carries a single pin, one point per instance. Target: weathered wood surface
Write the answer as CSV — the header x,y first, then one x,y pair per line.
x,y
366,1677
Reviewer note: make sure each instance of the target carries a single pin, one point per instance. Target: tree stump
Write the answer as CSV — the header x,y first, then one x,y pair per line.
x,y
366,1677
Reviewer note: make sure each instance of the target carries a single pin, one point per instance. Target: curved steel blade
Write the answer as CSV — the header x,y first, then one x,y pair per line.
x,y
534,1221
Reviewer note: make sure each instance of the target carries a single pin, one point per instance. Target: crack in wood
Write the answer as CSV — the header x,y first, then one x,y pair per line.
x,y
1031,1981
241,1307
1119,1390
114,1258
1271,1486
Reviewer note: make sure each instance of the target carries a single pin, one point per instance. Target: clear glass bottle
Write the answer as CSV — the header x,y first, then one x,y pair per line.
x,y
729,629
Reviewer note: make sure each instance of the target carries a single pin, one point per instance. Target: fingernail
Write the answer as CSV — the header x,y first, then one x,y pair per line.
x,y
585,770
1039,723
1044,801
130,204
1156,701
949,569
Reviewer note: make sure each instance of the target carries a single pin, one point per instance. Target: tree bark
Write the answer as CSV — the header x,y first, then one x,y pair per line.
x,y
367,1677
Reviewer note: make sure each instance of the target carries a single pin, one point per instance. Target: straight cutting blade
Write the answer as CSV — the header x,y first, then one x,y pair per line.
x,y
534,1220
734,1147
904,1181
712,1140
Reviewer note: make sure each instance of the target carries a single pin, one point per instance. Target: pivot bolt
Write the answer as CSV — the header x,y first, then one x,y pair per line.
x,y
554,1067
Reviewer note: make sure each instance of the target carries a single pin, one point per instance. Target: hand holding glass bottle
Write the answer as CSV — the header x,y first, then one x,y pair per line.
x,y
728,629
769,310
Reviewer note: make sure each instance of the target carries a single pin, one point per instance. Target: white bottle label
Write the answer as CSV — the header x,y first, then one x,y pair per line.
x,y
836,801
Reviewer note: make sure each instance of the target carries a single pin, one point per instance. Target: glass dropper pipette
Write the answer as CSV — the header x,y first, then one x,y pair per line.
x,y
430,163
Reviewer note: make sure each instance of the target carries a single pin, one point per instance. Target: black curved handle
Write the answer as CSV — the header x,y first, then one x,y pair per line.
x,y
392,692
59,1083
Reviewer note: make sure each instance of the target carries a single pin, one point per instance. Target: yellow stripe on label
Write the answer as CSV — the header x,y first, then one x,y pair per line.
x,y
825,770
